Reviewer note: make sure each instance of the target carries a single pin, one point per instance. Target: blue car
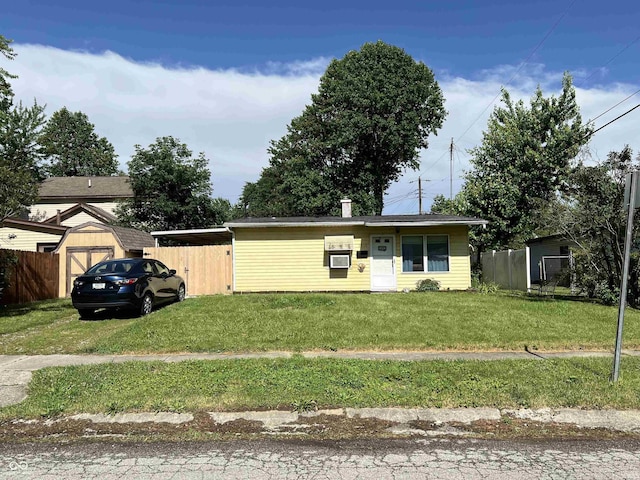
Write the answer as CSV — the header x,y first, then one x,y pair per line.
x,y
137,284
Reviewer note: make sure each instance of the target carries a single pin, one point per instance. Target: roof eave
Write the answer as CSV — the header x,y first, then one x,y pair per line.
x,y
294,224
441,223
188,232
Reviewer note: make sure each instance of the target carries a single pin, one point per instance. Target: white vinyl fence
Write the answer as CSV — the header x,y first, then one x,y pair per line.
x,y
508,268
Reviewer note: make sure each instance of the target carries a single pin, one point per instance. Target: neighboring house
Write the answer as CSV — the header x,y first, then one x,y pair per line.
x,y
549,256
64,202
18,234
370,253
544,262
97,196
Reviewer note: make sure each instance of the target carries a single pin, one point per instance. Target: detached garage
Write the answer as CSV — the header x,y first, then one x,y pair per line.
x,y
90,243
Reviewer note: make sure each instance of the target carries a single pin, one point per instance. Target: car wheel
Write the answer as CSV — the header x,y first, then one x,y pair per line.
x,y
146,305
181,293
86,312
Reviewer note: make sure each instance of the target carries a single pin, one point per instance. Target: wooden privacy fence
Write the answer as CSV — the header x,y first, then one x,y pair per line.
x,y
206,269
35,277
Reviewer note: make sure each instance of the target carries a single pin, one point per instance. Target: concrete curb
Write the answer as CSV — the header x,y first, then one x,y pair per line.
x,y
281,421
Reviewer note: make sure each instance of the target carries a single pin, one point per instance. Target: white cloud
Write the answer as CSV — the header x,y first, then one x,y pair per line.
x,y
232,114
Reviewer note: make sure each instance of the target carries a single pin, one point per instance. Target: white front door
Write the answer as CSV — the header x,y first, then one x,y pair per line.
x,y
383,263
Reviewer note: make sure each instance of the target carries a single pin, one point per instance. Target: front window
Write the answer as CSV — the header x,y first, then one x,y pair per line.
x,y
412,254
438,253
425,253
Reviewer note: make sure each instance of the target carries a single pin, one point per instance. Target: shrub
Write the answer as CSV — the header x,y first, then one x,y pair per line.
x,y
427,285
8,261
487,287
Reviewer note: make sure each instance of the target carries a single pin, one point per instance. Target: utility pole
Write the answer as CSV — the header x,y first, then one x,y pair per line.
x,y
420,195
451,170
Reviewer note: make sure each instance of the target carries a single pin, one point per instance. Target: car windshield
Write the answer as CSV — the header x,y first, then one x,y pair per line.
x,y
111,268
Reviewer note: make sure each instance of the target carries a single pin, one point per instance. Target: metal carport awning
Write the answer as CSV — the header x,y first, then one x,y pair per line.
x,y
202,236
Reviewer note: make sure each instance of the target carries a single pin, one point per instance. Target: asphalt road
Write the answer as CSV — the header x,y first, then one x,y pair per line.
x,y
365,459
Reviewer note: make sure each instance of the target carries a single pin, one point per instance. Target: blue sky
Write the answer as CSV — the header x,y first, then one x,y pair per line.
x,y
254,64
459,37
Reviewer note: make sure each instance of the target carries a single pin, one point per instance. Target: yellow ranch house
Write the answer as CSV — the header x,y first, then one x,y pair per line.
x,y
369,253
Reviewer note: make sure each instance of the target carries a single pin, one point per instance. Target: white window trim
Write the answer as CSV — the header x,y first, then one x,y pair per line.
x,y
425,260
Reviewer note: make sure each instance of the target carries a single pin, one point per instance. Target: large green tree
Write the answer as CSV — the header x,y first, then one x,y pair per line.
x,y
373,113
20,153
591,214
522,164
73,148
171,189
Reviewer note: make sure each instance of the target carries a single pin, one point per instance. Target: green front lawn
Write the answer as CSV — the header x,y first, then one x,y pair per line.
x,y
298,383
298,322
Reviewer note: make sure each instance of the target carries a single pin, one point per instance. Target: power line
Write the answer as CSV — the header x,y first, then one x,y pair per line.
x,y
614,120
520,67
621,101
610,60
515,74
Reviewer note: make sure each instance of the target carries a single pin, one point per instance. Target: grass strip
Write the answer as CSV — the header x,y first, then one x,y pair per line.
x,y
298,322
297,383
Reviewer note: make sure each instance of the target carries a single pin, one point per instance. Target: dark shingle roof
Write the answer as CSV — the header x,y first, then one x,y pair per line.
x,y
372,220
133,239
59,188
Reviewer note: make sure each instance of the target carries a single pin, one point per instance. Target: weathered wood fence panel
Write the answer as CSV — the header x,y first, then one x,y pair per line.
x,y
206,269
508,268
35,277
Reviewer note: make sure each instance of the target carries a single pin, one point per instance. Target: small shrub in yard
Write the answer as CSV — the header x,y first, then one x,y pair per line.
x,y
487,287
427,285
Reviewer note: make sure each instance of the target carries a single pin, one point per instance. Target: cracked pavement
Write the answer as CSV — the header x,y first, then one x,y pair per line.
x,y
381,459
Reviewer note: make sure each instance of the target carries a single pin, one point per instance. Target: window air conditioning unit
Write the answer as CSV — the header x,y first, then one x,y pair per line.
x,y
339,261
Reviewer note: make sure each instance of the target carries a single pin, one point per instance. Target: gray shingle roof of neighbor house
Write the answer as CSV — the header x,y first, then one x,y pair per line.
x,y
369,221
56,188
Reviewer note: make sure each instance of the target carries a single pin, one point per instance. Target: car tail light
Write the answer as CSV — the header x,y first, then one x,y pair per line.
x,y
78,283
126,281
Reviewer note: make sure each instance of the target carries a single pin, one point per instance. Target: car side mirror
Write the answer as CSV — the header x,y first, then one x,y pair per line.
x,y
172,272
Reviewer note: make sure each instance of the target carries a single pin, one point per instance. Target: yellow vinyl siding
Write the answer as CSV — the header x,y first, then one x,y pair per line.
x,y
25,239
459,275
294,259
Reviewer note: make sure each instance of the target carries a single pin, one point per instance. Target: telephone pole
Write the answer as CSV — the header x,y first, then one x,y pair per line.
x,y
451,170
420,195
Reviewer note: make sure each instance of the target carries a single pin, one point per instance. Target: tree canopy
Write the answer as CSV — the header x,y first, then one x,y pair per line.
x,y
373,113
171,189
523,162
20,153
6,92
73,148
592,215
